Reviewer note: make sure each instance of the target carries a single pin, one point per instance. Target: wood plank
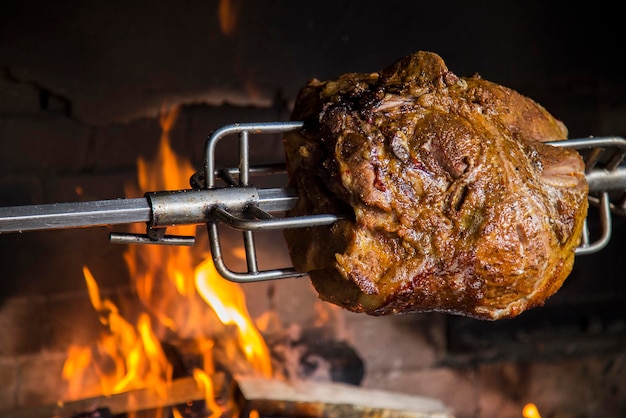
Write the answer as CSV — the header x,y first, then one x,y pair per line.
x,y
332,400
182,390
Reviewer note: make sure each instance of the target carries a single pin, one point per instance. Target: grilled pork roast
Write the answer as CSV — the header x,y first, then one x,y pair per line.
x,y
453,202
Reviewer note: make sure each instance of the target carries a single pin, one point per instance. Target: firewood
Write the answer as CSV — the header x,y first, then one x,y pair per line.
x,y
331,400
268,397
181,391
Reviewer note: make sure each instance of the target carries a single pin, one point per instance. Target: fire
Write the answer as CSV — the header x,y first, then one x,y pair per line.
x,y
228,15
228,302
183,299
530,411
207,384
126,357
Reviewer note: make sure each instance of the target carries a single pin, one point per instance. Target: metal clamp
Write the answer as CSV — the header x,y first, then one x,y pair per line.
x,y
253,217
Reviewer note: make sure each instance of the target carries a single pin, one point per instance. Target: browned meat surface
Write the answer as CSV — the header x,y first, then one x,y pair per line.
x,y
455,205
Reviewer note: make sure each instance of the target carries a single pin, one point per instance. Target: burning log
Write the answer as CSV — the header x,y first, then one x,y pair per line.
x,y
181,391
314,399
268,397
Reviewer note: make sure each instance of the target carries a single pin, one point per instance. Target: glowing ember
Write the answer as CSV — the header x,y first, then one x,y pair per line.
x,y
530,411
183,298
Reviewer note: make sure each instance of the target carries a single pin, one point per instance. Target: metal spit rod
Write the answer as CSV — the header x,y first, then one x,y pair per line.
x,y
244,207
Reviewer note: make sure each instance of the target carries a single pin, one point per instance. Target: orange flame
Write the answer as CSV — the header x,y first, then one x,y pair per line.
x,y
184,299
228,301
530,411
205,381
228,13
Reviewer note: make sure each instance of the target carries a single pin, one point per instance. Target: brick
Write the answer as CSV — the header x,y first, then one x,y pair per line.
x,y
40,379
51,262
88,187
294,301
18,98
42,144
20,190
455,388
8,383
587,386
203,120
22,324
72,320
119,145
421,336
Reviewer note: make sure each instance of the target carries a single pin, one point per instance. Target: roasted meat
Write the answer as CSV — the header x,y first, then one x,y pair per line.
x,y
453,203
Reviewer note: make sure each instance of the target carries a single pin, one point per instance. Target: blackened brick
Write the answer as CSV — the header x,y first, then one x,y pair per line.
x,y
87,187
18,98
119,145
20,190
203,120
42,144
51,262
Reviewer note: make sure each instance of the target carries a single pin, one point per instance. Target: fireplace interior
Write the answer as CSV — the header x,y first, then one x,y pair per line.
x,y
83,90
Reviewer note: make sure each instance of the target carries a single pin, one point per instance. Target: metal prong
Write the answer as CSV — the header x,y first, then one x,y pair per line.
x,y
605,220
128,238
244,224
243,277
